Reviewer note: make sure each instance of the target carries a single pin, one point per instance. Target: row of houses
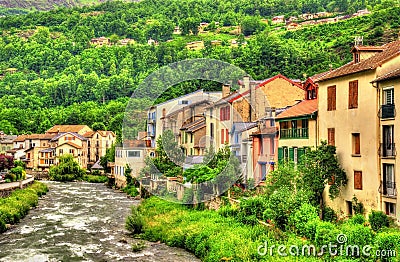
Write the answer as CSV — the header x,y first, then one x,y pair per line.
x,y
41,151
263,122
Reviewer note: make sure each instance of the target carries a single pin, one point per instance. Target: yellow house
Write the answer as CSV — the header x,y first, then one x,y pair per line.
x,y
348,118
388,86
72,144
98,143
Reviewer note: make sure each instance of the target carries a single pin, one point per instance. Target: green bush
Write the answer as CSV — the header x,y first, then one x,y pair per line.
x,y
310,228
131,190
357,219
329,215
95,179
325,232
378,220
17,205
389,242
357,234
299,219
252,206
228,211
134,222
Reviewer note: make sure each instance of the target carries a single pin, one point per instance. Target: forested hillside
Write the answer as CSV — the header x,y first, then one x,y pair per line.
x,y
52,75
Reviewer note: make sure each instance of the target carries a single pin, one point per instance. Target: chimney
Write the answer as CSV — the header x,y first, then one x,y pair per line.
x,y
246,84
226,90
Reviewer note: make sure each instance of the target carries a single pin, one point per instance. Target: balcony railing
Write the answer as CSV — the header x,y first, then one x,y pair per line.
x,y
151,134
294,133
389,189
387,150
387,111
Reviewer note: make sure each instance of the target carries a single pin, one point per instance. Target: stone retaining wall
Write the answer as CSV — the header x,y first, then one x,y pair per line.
x,y
7,188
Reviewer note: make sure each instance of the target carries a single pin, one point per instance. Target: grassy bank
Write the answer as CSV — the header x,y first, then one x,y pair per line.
x,y
219,236
17,205
95,179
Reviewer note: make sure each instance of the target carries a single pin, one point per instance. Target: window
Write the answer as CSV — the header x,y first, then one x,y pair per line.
x,y
212,130
390,209
304,123
356,58
183,102
356,143
388,146
226,135
272,143
211,112
349,205
388,96
71,151
331,98
191,137
285,153
60,152
389,185
191,151
331,136
222,136
224,113
132,153
353,94
358,180
295,155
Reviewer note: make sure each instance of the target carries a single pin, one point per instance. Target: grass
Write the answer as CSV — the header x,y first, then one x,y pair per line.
x,y
17,205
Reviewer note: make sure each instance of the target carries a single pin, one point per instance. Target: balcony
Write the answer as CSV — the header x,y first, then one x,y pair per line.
x,y
389,189
150,134
151,120
294,133
387,111
387,150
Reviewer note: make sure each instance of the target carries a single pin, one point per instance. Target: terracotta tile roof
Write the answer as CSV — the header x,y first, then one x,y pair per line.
x,y
367,48
191,124
71,144
304,108
205,101
134,143
316,77
22,138
57,136
88,134
392,74
270,130
66,128
390,50
197,127
243,126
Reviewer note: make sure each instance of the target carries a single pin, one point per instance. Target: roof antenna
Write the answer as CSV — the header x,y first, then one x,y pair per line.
x,y
358,40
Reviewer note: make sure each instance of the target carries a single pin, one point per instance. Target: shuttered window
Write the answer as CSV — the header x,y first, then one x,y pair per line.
x,y
353,94
222,136
331,136
226,136
280,154
356,144
331,98
358,180
388,96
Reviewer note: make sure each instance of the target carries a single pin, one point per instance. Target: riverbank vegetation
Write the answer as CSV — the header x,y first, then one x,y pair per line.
x,y
17,205
289,211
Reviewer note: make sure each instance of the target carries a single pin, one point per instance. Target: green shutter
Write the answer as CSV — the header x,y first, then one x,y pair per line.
x,y
280,154
300,153
291,154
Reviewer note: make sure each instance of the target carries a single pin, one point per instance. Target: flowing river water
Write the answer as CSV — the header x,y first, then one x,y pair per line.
x,y
81,222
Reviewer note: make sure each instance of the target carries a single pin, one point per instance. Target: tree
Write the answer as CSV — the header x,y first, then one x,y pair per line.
x,y
98,126
320,167
109,157
250,25
6,162
66,170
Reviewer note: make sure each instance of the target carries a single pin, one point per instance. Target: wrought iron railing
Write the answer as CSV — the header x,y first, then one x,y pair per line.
x,y
294,133
387,111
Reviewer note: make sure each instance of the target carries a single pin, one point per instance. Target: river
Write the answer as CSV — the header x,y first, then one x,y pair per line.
x,y
81,222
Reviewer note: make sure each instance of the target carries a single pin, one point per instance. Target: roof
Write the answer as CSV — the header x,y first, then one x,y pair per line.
x,y
295,83
191,124
197,126
22,138
367,48
97,165
390,50
316,77
47,150
243,126
269,130
204,101
304,108
88,134
392,74
71,144
8,139
55,138
134,143
66,128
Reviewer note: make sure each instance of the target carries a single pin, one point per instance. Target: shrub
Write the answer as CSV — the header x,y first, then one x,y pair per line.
x,y
131,190
378,220
357,234
134,222
325,232
95,178
389,242
357,219
329,215
310,228
358,207
252,206
299,219
228,211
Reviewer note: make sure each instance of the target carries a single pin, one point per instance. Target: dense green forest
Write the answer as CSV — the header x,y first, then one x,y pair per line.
x,y
52,75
